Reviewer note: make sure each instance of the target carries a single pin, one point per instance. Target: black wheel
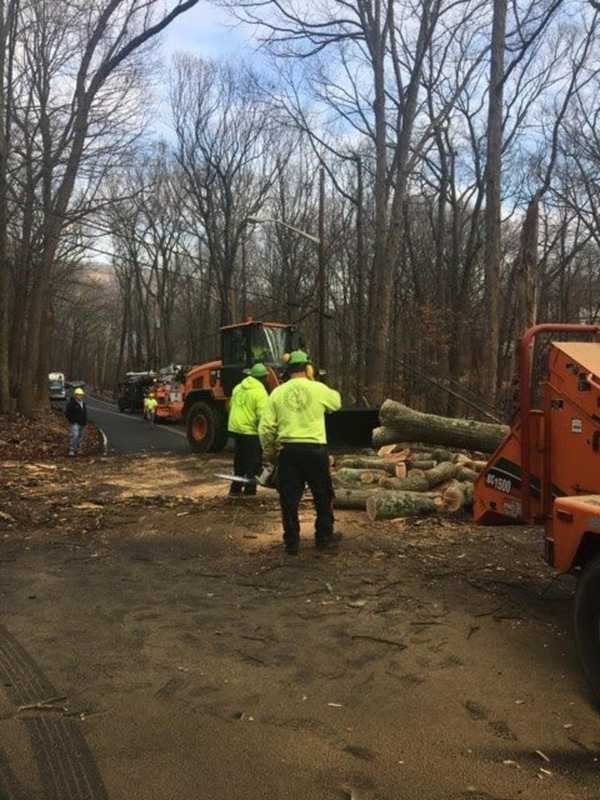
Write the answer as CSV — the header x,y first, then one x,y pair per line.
x,y
206,428
587,624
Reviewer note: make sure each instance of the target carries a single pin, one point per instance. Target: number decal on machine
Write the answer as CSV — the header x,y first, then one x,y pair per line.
x,y
498,482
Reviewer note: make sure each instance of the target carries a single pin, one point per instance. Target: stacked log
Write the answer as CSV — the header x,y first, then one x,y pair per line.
x,y
421,464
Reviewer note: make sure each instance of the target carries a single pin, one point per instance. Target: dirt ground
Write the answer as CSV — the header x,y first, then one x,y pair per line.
x,y
180,655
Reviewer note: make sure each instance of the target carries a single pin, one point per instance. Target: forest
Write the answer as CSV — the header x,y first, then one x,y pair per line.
x,y
412,183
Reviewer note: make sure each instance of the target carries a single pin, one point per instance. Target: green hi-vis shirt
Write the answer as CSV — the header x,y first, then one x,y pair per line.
x,y
247,403
296,413
150,403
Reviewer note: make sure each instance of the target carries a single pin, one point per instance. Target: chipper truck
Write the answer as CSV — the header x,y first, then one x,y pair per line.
x,y
547,471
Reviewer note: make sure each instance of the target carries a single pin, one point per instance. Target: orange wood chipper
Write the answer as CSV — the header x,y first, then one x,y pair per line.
x,y
547,471
201,399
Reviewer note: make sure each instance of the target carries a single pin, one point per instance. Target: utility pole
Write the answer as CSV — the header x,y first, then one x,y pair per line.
x,y
322,285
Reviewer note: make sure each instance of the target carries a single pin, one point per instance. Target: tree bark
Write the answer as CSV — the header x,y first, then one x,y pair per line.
x,y
403,423
348,475
415,481
443,472
366,462
388,505
493,193
458,496
353,499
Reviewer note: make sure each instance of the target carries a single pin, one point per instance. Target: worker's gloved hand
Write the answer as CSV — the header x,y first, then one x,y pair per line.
x,y
267,471
270,456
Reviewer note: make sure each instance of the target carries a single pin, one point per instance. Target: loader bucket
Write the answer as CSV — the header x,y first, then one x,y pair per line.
x,y
352,427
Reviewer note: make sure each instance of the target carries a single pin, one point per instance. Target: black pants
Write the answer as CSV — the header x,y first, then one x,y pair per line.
x,y
247,462
301,464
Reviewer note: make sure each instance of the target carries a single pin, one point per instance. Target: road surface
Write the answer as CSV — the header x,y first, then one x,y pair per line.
x,y
129,433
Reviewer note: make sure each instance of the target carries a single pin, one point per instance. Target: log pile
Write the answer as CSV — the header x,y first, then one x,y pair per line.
x,y
421,464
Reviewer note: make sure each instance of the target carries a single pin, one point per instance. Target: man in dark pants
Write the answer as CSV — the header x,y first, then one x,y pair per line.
x,y
294,422
247,403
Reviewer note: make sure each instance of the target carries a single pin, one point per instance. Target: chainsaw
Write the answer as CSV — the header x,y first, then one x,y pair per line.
x,y
267,478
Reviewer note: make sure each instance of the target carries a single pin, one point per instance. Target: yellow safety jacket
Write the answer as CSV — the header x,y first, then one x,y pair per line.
x,y
296,412
247,403
150,403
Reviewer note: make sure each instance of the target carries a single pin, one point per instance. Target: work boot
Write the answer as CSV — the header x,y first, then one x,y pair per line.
x,y
331,543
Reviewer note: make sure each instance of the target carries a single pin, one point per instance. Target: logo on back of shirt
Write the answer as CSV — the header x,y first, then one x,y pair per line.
x,y
297,398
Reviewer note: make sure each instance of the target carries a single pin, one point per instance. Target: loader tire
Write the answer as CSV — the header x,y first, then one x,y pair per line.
x,y
206,426
587,624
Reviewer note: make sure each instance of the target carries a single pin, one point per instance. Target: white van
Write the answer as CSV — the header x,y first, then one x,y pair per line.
x,y
56,386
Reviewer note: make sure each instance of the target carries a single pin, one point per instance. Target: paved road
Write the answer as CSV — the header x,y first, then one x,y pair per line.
x,y
129,433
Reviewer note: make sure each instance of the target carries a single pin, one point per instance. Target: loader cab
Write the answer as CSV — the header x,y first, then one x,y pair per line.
x,y
249,342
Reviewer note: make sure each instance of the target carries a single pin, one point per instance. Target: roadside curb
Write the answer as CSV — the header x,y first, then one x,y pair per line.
x,y
104,440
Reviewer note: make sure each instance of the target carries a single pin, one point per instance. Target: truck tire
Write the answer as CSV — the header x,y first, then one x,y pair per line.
x,y
206,428
587,624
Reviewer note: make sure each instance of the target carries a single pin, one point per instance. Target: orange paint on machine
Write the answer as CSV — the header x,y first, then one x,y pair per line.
x,y
547,472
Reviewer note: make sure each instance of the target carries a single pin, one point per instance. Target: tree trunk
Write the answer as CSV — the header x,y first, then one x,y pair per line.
x,y
348,475
458,496
421,464
353,498
4,301
388,505
443,472
366,462
493,193
415,481
404,423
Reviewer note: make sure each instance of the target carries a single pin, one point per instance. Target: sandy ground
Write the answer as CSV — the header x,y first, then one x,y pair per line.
x,y
182,656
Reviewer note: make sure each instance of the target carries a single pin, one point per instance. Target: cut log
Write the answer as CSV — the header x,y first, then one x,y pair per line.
x,y
442,455
466,474
348,475
415,481
400,455
443,472
408,424
388,505
372,476
354,499
389,449
400,469
458,497
461,458
419,464
476,466
362,462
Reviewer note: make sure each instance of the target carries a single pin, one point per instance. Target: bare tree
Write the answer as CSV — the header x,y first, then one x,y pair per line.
x,y
228,155
78,79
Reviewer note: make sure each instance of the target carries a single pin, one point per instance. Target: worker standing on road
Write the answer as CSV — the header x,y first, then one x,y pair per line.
x,y
76,414
294,420
150,404
247,403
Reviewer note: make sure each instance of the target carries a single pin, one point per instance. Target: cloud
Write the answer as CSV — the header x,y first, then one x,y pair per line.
x,y
209,32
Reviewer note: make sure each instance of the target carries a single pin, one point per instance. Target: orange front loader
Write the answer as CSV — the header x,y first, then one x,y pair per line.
x,y
201,399
547,471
